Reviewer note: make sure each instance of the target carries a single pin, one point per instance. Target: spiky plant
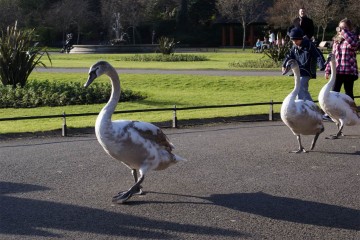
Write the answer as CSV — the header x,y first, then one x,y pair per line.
x,y
19,55
167,45
278,52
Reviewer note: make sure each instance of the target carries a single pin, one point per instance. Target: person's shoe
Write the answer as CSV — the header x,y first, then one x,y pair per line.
x,y
291,74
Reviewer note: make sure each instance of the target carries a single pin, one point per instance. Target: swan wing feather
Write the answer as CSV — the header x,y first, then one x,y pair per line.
x,y
305,118
154,134
351,105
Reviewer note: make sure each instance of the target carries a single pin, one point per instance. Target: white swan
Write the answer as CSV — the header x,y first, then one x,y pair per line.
x,y
302,117
139,145
340,107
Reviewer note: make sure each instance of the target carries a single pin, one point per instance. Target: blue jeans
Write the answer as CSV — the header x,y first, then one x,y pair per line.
x,y
304,89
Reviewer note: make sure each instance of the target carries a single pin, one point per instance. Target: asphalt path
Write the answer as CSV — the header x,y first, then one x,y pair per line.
x,y
170,71
240,182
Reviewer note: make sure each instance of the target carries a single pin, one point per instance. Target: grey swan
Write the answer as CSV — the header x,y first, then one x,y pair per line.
x,y
340,107
302,117
141,146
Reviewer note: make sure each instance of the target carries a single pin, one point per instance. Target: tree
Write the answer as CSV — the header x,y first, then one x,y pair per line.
x,y
183,16
353,11
281,14
243,11
323,12
202,12
33,11
65,13
132,12
9,12
158,10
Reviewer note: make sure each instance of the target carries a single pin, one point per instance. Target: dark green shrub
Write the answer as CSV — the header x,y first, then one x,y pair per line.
x,y
45,93
19,55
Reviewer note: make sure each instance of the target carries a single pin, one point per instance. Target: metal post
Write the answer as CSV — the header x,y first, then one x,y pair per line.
x,y
174,120
64,128
271,112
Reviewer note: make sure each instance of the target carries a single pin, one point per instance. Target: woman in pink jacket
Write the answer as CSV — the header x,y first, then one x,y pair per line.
x,y
344,48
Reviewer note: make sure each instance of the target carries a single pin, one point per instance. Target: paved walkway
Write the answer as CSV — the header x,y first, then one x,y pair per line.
x,y
172,71
239,182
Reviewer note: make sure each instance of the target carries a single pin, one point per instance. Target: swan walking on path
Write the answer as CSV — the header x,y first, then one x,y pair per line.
x,y
340,107
139,145
303,117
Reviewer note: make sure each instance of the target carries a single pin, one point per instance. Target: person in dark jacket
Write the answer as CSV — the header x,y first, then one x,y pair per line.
x,y
307,55
305,23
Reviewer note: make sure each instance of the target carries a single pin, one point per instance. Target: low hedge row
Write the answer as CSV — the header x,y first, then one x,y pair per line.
x,y
261,63
46,93
165,58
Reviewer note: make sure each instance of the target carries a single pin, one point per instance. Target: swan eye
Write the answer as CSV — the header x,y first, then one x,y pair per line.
x,y
93,73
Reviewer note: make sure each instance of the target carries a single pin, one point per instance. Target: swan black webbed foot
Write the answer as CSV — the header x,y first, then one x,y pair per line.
x,y
335,136
332,137
137,191
301,148
122,197
299,151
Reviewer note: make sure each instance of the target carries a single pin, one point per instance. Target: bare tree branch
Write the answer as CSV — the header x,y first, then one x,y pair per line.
x,y
323,12
353,11
243,11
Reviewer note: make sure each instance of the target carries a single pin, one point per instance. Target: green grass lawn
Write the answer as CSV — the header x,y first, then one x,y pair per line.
x,y
217,60
163,91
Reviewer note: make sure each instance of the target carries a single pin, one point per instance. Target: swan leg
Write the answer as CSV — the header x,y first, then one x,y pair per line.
x,y
139,191
314,141
134,173
301,148
316,138
340,128
124,196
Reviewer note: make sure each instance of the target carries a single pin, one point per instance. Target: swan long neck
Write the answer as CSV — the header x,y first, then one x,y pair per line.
x,y
331,82
296,90
109,108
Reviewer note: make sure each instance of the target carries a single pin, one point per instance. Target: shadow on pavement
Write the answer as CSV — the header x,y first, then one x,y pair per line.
x,y
290,209
29,217
282,208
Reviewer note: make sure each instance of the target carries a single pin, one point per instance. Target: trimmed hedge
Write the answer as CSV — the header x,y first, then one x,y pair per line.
x,y
261,63
45,93
165,58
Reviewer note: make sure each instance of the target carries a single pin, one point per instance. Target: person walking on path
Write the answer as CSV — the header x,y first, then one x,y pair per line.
x,y
271,38
307,55
345,44
305,23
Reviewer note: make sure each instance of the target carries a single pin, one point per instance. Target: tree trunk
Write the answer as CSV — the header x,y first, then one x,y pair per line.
x,y
244,34
323,34
78,33
317,33
133,34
